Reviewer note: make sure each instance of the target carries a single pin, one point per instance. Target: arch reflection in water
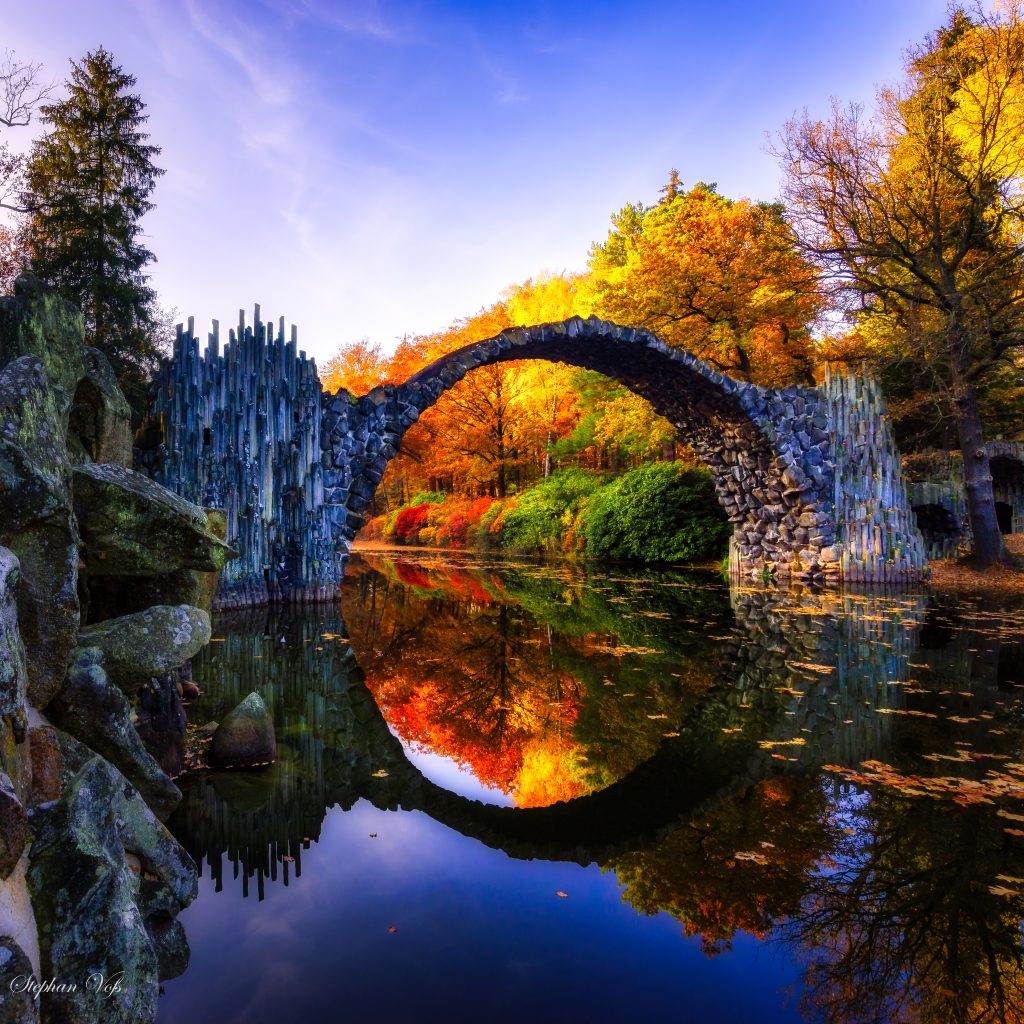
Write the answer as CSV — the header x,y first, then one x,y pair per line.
x,y
687,724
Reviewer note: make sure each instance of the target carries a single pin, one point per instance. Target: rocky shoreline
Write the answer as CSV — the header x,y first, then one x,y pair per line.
x,y
106,580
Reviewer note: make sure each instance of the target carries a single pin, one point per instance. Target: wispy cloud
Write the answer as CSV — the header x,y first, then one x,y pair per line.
x,y
508,88
356,17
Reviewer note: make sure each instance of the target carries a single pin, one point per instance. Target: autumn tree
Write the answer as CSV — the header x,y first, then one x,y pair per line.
x,y
89,181
718,277
358,368
546,300
511,422
915,214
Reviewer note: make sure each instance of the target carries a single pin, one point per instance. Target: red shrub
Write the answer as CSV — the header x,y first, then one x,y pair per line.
x,y
455,530
478,508
410,521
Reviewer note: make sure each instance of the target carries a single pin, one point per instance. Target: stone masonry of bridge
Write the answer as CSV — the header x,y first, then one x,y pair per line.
x,y
808,476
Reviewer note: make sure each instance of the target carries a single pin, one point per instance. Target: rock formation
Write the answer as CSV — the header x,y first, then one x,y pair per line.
x,y
97,565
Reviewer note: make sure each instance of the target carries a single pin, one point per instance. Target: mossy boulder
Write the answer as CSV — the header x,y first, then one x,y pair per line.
x,y
132,526
48,608
92,709
41,367
146,644
99,427
17,1003
106,878
245,736
13,676
36,321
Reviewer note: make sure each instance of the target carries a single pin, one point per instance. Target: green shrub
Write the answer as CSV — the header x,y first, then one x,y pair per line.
x,y
659,512
427,498
540,516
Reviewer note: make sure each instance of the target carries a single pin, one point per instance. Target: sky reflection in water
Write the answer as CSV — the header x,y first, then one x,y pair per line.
x,y
698,720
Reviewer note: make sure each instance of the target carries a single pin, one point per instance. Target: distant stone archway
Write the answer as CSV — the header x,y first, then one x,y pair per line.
x,y
810,477
769,451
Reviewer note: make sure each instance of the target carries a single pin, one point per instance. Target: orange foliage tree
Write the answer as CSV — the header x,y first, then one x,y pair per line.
x,y
718,277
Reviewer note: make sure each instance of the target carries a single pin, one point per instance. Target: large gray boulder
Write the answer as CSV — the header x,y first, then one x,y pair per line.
x,y
13,677
13,827
99,429
36,321
17,999
146,644
106,879
92,709
41,367
245,736
48,608
133,526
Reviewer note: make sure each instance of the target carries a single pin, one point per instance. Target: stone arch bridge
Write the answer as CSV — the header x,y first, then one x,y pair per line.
x,y
809,476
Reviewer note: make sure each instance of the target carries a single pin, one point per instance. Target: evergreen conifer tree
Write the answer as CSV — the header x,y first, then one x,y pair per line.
x,y
89,180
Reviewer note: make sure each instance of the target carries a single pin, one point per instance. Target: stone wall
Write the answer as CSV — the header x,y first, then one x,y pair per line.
x,y
939,500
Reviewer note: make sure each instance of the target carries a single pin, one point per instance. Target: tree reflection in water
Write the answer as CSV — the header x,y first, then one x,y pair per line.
x,y
893,875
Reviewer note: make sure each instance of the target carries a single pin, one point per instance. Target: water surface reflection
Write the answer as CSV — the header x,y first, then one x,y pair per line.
x,y
837,776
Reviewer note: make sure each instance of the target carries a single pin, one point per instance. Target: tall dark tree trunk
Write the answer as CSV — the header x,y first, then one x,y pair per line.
x,y
981,504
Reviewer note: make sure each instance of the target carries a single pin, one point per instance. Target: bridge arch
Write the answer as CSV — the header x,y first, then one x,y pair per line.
x,y
769,451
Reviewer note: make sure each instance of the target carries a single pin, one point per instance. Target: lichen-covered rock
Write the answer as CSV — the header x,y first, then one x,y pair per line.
x,y
100,429
17,981
92,709
36,321
150,643
48,608
33,420
44,751
12,652
13,827
103,873
132,526
245,736
35,512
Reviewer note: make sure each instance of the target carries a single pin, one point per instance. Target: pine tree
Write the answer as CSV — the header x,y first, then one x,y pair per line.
x,y
89,181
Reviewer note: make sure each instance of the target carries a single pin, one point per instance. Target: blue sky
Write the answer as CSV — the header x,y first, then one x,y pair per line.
x,y
371,169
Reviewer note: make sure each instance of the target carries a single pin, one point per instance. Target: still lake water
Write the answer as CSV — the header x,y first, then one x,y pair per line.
x,y
508,791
